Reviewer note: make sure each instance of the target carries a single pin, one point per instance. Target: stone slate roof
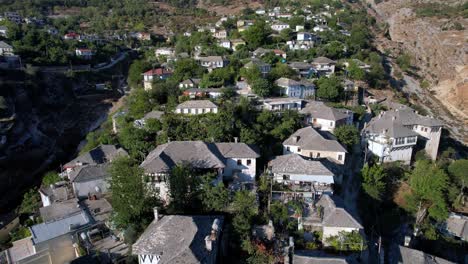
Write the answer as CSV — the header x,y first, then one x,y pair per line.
x,y
395,123
317,257
311,139
296,164
197,104
89,173
98,155
211,59
256,62
154,115
284,82
457,225
58,192
334,213
323,60
191,81
59,210
179,239
46,231
413,256
4,45
196,153
236,150
300,65
320,110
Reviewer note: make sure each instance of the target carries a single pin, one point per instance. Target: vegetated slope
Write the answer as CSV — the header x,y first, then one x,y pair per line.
x,y
435,34
232,7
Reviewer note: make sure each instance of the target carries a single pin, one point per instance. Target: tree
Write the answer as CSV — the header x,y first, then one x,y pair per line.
x,y
278,213
128,193
261,87
187,68
458,171
347,241
404,61
355,72
282,70
183,184
373,181
245,209
347,135
135,140
428,185
329,88
135,71
50,177
138,103
214,198
31,202
256,35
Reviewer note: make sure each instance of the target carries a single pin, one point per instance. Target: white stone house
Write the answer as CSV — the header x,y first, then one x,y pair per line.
x,y
213,62
225,43
197,107
293,169
324,66
263,67
5,49
220,34
282,104
292,88
279,26
309,143
393,135
227,160
168,52
326,118
154,74
85,54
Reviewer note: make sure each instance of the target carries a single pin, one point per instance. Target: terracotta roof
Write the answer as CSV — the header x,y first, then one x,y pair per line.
x,y
158,71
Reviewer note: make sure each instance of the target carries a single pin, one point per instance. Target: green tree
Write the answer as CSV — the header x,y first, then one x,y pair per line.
x,y
245,209
404,61
282,70
134,140
347,241
30,203
128,193
214,198
261,87
183,184
135,71
278,213
428,185
187,68
355,72
329,88
347,135
373,181
50,177
458,171
138,103
257,34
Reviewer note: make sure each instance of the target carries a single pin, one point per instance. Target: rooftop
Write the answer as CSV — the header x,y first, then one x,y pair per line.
x,y
335,214
310,139
89,173
59,210
46,231
323,60
320,110
4,45
296,164
158,71
317,257
197,104
178,239
413,256
154,115
98,155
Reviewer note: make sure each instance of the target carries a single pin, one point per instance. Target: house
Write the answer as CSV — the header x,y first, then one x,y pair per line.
x,y
213,62
3,31
142,36
180,239
5,49
306,36
392,135
225,43
56,192
243,24
321,28
326,118
72,36
360,64
168,52
298,89
280,53
263,67
220,34
91,180
260,12
59,210
334,217
155,74
304,69
197,107
226,160
140,123
309,143
189,83
236,43
282,104
323,66
299,45
299,173
85,54
243,87
299,28
99,155
193,93
407,255
13,17
279,26
456,226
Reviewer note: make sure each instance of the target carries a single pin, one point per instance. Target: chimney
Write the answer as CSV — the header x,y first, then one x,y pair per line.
x,y
236,139
208,243
156,214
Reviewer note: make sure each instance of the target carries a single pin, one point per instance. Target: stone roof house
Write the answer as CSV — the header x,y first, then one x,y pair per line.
x,y
99,155
326,118
407,255
309,143
181,239
299,89
197,107
324,66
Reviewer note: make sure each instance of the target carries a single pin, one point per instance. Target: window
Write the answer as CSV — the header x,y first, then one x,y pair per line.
x,y
189,111
425,129
340,157
287,149
298,149
331,124
239,162
249,162
203,110
411,140
318,154
400,141
311,154
285,177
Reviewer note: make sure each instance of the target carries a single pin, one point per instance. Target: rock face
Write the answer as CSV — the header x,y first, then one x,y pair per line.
x,y
440,54
44,123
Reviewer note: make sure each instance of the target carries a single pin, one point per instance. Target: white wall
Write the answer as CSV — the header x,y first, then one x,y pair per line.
x,y
333,231
247,172
45,200
196,111
325,179
311,153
